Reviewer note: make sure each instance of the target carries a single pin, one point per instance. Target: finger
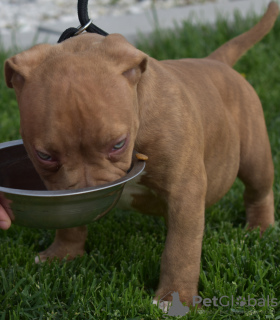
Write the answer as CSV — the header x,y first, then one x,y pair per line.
x,y
5,221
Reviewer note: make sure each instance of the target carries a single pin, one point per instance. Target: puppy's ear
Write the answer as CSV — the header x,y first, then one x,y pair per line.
x,y
19,67
134,74
126,58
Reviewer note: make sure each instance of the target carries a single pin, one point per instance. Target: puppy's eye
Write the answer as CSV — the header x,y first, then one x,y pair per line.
x,y
44,156
119,145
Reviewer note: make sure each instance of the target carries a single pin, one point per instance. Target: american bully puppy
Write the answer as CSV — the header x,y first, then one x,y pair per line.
x,y
86,103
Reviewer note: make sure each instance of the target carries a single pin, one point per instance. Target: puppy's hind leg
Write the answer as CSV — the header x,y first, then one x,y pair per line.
x,y
257,172
260,214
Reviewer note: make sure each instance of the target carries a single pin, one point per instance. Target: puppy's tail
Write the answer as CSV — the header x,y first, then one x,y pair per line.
x,y
232,50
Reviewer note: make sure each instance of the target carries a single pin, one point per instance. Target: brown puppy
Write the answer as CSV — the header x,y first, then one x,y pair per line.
x,y
86,103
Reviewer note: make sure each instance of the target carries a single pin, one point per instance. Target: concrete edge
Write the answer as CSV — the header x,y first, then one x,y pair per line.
x,y
131,26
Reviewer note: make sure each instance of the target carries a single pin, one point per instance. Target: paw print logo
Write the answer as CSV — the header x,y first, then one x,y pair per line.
x,y
240,301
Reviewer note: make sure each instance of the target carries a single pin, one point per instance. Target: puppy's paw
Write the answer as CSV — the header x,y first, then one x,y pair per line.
x,y
60,253
178,298
68,243
163,305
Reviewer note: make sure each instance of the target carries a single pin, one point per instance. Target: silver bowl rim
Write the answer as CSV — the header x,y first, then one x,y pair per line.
x,y
137,168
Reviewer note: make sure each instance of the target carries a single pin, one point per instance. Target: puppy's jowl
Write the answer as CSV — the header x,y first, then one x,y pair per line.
x,y
86,103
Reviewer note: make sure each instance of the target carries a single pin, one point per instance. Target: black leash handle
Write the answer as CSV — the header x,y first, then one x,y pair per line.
x,y
84,21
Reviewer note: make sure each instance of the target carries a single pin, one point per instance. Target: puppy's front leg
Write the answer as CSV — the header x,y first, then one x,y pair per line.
x,y
68,242
180,264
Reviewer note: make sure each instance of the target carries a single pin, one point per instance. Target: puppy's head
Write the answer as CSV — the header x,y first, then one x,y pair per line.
x,y
79,112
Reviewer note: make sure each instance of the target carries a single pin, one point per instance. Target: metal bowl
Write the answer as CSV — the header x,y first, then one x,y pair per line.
x,y
29,204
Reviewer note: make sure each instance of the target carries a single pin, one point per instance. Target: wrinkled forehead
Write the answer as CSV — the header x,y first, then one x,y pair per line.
x,y
79,81
78,101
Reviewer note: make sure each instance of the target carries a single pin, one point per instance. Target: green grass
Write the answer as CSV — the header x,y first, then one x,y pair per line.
x,y
118,275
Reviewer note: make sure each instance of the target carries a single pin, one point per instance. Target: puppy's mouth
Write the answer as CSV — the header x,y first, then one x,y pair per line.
x,y
98,183
88,181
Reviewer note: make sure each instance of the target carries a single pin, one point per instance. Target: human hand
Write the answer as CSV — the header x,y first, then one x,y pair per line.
x,y
5,221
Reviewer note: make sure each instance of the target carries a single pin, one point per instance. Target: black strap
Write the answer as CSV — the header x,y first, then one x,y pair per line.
x,y
84,19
